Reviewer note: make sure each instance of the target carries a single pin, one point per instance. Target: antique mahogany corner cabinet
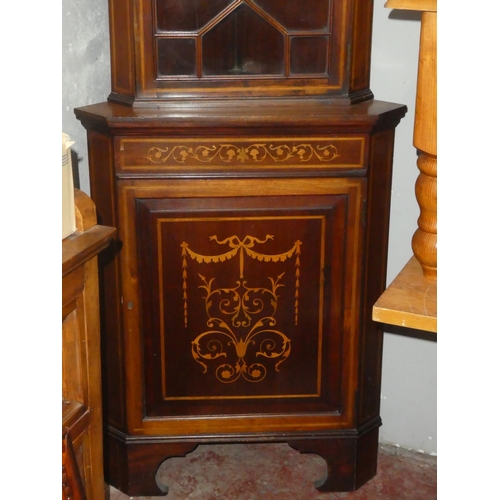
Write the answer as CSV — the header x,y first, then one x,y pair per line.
x,y
247,168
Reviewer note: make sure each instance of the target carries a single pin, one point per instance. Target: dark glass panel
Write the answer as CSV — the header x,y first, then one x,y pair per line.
x,y
176,56
298,14
187,15
243,43
308,54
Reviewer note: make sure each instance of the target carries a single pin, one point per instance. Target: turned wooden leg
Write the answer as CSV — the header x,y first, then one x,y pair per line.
x,y
424,242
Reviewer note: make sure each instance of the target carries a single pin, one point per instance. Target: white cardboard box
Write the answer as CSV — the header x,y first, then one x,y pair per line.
x,y
68,195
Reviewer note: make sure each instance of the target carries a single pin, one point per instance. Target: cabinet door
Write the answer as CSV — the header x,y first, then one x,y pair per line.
x,y
204,49
246,294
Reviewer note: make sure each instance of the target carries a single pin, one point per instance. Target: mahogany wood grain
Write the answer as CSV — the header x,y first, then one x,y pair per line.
x,y
178,175
351,461
250,189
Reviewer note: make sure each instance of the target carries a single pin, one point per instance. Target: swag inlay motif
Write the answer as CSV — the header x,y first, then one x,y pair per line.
x,y
242,315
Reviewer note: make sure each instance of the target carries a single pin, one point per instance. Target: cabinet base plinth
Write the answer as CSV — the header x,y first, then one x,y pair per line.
x,y
132,463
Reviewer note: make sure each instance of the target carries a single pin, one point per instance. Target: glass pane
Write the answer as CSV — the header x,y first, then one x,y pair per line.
x,y
243,43
308,54
298,14
187,15
176,56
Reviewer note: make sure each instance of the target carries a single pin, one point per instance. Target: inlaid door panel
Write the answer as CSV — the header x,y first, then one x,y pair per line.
x,y
246,301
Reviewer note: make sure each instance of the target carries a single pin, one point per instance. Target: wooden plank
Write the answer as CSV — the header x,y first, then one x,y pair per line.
x,y
423,5
409,301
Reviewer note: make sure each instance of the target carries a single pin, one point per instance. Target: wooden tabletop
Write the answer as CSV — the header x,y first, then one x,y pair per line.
x,y
409,301
423,5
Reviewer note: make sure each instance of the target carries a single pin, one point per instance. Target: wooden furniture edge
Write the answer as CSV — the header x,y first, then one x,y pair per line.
x,y
409,301
80,247
89,238
421,5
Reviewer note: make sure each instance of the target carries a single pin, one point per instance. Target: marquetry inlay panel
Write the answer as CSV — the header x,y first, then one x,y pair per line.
x,y
296,152
241,307
240,301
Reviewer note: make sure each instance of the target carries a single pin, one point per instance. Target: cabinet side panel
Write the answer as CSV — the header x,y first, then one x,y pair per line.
x,y
122,48
377,230
361,43
101,160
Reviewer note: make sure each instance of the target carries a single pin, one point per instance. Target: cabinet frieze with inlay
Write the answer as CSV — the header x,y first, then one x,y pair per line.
x,y
159,154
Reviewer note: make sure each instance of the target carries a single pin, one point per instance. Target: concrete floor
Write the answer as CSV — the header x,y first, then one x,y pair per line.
x,y
277,472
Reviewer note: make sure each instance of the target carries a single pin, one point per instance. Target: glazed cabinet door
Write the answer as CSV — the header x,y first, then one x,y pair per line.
x,y
240,300
187,49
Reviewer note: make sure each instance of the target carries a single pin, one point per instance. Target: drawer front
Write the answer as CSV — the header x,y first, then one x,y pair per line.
x,y
163,155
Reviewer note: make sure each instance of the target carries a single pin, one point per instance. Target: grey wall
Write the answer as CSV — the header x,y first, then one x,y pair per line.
x,y
85,71
409,366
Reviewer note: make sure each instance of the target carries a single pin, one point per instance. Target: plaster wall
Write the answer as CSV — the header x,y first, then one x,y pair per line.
x,y
409,367
86,77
